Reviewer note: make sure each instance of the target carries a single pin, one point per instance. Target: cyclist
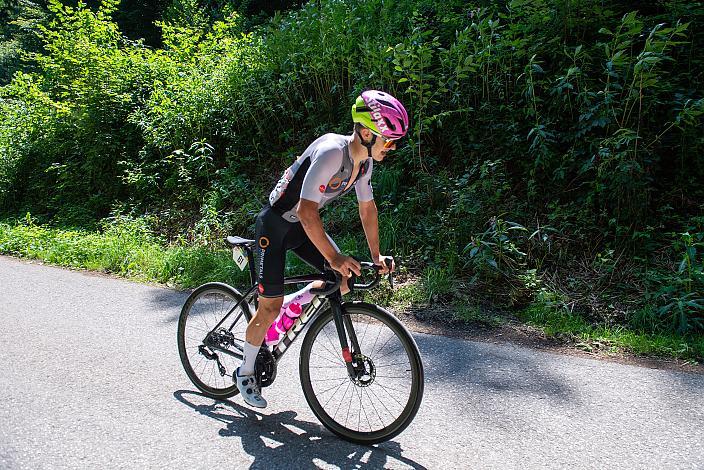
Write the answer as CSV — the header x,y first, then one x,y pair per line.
x,y
328,168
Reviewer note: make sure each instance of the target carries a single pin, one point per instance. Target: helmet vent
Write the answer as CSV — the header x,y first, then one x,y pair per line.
x,y
389,123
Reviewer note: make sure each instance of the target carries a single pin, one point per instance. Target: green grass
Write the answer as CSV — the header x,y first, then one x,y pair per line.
x,y
407,295
557,322
471,313
127,248
124,248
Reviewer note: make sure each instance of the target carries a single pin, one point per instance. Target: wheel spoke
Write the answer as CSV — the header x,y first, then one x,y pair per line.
x,y
334,361
338,355
328,380
382,347
389,353
392,364
371,390
204,312
387,392
381,421
342,382
370,404
341,401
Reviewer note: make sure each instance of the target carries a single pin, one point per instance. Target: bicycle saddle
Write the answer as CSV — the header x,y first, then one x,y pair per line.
x,y
239,241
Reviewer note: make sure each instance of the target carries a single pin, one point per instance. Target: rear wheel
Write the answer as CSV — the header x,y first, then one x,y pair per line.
x,y
200,344
381,399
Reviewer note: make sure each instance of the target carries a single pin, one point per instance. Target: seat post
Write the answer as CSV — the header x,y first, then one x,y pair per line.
x,y
250,257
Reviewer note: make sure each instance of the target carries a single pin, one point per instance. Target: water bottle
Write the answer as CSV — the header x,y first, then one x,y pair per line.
x,y
282,323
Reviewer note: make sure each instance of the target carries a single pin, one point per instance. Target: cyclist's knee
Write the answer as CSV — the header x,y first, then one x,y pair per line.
x,y
269,308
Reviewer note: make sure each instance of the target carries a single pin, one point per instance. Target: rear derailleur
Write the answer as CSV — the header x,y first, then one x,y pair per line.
x,y
221,338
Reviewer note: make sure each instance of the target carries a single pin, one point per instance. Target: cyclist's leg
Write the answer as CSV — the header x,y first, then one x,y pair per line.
x,y
271,232
306,250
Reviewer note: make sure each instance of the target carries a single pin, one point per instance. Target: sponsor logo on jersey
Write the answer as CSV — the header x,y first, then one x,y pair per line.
x,y
322,188
335,183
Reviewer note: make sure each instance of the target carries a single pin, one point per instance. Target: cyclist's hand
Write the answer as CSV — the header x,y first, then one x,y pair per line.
x,y
382,260
344,264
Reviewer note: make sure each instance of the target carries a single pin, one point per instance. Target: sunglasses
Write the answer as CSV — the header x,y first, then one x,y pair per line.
x,y
388,143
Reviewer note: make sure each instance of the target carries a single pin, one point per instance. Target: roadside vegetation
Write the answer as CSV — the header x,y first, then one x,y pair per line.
x,y
553,171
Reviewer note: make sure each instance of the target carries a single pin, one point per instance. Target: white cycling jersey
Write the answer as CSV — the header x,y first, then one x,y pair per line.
x,y
321,174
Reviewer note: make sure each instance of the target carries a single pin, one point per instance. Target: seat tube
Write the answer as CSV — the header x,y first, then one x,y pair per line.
x,y
252,275
250,256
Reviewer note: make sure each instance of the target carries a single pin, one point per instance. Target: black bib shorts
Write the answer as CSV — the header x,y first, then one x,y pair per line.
x,y
274,237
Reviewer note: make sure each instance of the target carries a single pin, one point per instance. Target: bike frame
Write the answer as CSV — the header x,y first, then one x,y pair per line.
x,y
343,324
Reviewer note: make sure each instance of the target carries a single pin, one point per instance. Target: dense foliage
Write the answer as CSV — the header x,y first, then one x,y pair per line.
x,y
555,153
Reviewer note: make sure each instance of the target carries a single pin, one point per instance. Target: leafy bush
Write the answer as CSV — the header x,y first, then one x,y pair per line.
x,y
578,122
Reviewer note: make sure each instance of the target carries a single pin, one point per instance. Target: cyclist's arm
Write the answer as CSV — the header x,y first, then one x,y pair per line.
x,y
369,215
324,165
363,186
310,219
368,212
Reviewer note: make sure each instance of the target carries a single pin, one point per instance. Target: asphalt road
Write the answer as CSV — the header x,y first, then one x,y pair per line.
x,y
90,378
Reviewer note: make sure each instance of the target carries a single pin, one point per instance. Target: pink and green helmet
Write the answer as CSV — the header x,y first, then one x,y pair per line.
x,y
381,113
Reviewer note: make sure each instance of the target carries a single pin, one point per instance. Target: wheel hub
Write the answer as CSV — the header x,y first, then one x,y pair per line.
x,y
365,371
221,337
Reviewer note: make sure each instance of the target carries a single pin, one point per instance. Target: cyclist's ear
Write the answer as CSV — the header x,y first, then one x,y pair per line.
x,y
366,133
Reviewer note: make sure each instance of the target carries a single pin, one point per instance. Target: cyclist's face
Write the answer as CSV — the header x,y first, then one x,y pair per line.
x,y
381,147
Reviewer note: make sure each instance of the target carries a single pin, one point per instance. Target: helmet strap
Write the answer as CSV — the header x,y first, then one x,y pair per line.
x,y
368,145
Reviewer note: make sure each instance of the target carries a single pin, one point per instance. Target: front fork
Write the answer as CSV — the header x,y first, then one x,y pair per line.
x,y
344,327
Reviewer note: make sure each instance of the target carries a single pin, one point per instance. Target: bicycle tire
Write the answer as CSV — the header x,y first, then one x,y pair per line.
x,y
227,387
414,360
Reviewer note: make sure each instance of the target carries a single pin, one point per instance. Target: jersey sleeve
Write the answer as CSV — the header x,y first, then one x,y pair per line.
x,y
325,163
363,187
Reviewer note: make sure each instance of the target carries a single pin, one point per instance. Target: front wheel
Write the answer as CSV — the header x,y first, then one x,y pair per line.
x,y
381,399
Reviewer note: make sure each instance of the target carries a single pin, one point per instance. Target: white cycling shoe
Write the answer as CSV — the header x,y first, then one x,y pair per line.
x,y
248,387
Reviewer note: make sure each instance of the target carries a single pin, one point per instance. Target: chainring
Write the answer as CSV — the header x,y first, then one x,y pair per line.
x,y
265,367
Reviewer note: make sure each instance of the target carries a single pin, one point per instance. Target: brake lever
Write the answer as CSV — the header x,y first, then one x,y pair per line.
x,y
389,262
334,284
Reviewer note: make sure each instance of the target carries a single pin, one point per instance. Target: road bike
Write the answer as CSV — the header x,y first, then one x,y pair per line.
x,y
359,367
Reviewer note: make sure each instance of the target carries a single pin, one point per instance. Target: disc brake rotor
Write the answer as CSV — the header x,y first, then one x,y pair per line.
x,y
365,371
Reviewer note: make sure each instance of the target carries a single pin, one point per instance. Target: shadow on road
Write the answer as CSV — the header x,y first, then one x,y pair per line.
x,y
169,302
468,366
480,378
282,437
